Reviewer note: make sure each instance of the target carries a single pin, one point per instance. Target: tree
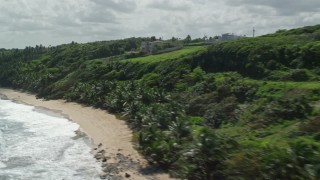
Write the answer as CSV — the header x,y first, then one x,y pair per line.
x,y
187,39
153,38
203,159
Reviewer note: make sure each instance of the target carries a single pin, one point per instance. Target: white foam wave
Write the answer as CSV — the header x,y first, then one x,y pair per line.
x,y
39,146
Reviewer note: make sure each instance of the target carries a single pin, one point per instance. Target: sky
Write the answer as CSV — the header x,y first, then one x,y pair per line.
x,y
53,22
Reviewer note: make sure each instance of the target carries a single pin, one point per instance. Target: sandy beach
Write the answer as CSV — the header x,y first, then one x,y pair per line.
x,y
112,137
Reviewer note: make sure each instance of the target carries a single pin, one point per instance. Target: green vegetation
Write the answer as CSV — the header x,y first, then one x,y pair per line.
x,y
245,109
185,52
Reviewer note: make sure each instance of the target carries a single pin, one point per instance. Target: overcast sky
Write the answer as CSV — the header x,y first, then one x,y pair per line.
x,y
53,22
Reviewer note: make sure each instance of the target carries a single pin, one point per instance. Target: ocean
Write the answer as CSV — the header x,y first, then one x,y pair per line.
x,y
35,144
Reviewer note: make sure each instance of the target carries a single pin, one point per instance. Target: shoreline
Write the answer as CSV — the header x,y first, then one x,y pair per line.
x,y
111,136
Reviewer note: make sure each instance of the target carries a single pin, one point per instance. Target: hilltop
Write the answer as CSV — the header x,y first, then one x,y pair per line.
x,y
242,109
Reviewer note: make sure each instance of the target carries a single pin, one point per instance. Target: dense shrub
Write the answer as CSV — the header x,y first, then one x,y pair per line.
x,y
210,114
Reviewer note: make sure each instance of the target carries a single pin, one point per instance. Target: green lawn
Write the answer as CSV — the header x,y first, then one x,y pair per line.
x,y
168,56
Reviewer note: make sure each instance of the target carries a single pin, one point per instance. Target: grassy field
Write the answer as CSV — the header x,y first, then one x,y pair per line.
x,y
277,89
186,51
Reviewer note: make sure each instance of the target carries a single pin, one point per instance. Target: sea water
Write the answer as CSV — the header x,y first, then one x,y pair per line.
x,y
37,145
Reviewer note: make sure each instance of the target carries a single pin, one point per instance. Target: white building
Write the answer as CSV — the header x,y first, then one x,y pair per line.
x,y
228,37
149,47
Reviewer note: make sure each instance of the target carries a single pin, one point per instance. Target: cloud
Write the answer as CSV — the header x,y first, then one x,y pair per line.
x,y
123,6
169,5
47,22
98,16
283,7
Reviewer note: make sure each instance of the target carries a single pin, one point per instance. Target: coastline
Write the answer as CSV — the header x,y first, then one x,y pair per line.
x,y
112,137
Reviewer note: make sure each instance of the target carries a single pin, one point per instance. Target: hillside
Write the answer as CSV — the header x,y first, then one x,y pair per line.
x,y
245,109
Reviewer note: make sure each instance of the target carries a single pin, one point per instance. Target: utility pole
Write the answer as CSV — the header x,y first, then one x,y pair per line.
x,y
253,32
